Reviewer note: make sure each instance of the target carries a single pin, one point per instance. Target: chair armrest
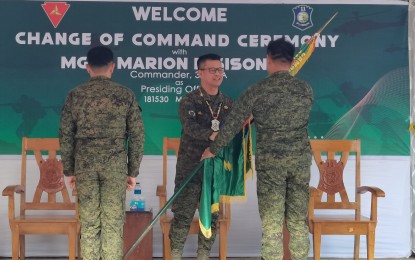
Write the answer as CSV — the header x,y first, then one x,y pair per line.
x,y
74,192
161,191
11,189
374,190
313,192
162,194
225,210
315,195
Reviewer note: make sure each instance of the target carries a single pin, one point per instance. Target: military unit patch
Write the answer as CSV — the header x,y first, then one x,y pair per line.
x,y
55,11
302,17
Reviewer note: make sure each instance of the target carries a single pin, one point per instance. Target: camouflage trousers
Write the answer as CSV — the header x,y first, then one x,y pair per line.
x,y
283,194
101,202
184,210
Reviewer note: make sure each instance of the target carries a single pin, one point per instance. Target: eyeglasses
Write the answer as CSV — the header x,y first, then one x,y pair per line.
x,y
213,70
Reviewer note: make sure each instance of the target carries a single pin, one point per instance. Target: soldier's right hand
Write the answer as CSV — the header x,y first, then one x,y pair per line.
x,y
71,181
130,183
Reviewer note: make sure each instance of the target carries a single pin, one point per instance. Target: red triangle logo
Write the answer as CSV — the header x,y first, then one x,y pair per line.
x,y
55,11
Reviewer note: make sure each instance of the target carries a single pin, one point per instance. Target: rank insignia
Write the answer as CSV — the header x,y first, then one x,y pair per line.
x,y
302,17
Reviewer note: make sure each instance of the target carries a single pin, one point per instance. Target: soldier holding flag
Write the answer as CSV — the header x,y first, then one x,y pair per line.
x,y
202,113
280,105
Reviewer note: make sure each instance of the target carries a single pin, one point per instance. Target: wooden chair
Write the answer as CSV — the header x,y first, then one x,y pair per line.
x,y
331,157
37,215
172,144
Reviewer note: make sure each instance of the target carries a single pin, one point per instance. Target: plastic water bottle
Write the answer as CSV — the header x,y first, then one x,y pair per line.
x,y
137,202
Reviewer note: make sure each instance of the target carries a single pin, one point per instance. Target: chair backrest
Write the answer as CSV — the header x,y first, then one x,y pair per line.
x,y
331,157
169,144
50,177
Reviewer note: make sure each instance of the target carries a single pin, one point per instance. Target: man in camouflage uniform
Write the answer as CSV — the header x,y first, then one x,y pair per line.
x,y
280,105
98,119
202,113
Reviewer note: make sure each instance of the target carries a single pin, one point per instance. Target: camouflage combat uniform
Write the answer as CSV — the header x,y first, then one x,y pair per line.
x,y
97,120
196,118
280,105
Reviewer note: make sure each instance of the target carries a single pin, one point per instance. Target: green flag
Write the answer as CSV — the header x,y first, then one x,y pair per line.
x,y
224,177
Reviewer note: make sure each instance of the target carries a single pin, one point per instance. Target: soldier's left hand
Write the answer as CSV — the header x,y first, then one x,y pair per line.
x,y
71,181
207,154
130,183
213,136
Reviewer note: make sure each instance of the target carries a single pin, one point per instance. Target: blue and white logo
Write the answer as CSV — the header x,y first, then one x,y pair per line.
x,y
302,17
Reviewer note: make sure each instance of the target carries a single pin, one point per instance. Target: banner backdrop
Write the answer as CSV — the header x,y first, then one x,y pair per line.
x,y
358,72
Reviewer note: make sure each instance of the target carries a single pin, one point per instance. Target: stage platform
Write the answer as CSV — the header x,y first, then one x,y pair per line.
x,y
215,258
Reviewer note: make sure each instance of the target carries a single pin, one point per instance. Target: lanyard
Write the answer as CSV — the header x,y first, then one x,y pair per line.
x,y
210,108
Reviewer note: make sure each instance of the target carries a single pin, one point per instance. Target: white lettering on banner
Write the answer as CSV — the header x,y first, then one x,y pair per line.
x,y
190,88
161,89
240,63
193,14
245,64
37,38
204,40
159,75
108,39
156,99
333,39
154,63
73,62
179,52
263,40
171,40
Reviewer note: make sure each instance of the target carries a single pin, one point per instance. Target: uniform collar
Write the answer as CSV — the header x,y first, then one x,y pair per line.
x,y
280,72
99,78
209,98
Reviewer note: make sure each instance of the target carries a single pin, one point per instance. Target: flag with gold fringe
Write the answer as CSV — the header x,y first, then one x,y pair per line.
x,y
303,55
412,128
224,177
306,50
